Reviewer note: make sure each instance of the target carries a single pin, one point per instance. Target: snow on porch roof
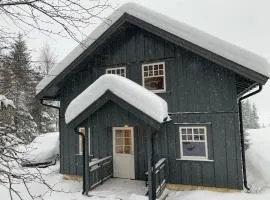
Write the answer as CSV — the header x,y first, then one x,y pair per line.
x,y
133,93
173,26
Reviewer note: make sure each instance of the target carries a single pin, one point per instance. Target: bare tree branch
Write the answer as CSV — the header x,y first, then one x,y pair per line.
x,y
66,18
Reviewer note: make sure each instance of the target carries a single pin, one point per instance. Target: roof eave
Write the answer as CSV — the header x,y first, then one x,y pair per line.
x,y
235,67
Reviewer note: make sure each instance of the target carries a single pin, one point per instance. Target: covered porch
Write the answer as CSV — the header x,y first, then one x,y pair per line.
x,y
122,124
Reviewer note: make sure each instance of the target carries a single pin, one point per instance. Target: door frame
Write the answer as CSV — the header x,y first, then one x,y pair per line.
x,y
132,142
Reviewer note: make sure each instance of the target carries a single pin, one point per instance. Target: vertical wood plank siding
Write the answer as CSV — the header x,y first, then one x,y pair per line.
x,y
193,84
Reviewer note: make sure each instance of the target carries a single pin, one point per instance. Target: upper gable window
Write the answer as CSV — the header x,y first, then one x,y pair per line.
x,y
121,71
154,76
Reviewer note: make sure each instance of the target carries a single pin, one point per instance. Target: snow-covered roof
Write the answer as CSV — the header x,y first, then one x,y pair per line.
x,y
174,26
131,92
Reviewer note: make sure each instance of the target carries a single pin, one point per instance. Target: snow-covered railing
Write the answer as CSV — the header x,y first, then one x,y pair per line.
x,y
100,170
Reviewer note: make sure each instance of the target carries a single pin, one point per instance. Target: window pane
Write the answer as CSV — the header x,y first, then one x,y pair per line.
x,y
184,137
119,149
127,149
161,66
194,149
189,131
202,137
195,131
119,133
127,141
196,137
155,73
145,74
127,133
184,131
151,73
150,67
189,137
155,67
119,141
160,72
201,131
154,83
146,68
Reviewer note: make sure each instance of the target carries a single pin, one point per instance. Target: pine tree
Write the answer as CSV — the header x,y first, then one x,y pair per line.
x,y
255,117
21,89
250,116
250,119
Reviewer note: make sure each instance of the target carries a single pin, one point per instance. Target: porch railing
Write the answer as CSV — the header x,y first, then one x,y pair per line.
x,y
99,171
159,176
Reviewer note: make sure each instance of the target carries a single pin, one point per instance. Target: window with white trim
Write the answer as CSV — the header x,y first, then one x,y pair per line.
x,y
121,71
82,130
153,76
193,142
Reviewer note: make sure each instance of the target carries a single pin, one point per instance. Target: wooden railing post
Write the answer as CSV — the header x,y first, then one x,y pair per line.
x,y
151,184
86,165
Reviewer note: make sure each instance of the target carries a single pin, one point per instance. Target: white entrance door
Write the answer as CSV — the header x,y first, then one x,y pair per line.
x,y
123,152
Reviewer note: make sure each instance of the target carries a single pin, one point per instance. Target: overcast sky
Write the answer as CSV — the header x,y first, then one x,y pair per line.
x,y
243,22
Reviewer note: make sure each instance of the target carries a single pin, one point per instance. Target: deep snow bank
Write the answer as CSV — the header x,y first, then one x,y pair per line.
x,y
258,158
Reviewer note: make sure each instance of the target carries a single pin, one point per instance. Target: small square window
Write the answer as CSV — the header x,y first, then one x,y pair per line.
x,y
121,71
154,76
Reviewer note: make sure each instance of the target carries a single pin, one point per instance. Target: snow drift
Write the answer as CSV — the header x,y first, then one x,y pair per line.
x,y
258,158
43,149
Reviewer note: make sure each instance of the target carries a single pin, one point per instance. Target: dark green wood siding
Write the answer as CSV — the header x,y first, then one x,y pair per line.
x,y
193,84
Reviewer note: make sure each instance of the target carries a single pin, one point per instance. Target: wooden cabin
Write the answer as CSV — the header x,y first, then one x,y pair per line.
x,y
200,77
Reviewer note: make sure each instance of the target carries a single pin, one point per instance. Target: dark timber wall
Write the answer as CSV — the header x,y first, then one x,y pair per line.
x,y
193,84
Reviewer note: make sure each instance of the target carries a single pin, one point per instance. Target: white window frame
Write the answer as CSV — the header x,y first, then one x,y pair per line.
x,y
115,69
199,158
164,76
80,141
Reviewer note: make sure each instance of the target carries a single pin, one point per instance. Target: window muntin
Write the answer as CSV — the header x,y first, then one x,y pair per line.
x,y
154,76
193,142
123,141
121,71
82,130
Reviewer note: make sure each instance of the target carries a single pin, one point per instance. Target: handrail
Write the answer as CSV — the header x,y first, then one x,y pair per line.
x,y
160,176
93,163
100,170
159,172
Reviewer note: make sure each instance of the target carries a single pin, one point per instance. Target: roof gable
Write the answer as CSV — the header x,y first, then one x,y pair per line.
x,y
228,55
135,95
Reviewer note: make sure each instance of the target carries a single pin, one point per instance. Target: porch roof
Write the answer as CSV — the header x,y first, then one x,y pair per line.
x,y
126,90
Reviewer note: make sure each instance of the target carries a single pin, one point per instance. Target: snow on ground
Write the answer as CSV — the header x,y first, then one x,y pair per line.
x,y
258,158
43,148
258,163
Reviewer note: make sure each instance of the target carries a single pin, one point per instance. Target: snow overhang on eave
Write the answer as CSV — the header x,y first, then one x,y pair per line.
x,y
235,58
130,92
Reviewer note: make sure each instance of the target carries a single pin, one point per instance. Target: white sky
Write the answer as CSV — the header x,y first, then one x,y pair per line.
x,y
243,22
